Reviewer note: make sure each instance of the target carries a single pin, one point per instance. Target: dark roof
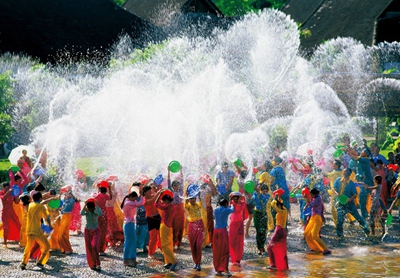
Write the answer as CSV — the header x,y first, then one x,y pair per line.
x,y
43,28
160,11
339,18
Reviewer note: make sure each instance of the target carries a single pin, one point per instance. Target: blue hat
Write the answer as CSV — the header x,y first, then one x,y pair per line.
x,y
193,190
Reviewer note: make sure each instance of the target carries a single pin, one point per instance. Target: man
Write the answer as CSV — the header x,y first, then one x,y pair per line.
x,y
224,179
346,187
36,212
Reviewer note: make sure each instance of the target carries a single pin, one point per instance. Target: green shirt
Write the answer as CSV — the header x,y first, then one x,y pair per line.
x,y
92,218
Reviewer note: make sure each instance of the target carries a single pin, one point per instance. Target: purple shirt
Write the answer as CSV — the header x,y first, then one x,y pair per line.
x,y
130,209
317,206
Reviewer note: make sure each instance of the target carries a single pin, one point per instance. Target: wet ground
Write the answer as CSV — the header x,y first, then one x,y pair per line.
x,y
352,256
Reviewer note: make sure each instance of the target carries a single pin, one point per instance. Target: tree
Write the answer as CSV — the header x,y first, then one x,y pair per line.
x,y
6,103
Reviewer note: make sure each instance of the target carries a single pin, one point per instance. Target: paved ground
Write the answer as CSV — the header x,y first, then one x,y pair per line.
x,y
75,265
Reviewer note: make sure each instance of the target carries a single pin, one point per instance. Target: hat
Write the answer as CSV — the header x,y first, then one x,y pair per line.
x,y
393,167
91,200
167,193
193,190
279,192
236,194
305,192
277,159
104,184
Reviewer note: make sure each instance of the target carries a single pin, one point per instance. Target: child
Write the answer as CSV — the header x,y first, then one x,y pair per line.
x,y
36,211
260,200
11,223
168,214
129,206
25,199
377,204
314,225
236,228
277,248
220,247
179,220
102,197
195,228
63,229
92,233
142,229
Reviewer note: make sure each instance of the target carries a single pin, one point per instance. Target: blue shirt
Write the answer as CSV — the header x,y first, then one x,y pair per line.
x,y
68,205
260,201
279,179
364,171
349,190
221,215
223,180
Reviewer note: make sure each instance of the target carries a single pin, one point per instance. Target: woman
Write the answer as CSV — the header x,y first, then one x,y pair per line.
x,y
311,232
195,228
236,228
129,206
167,215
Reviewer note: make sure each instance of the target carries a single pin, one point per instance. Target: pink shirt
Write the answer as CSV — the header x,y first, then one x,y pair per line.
x,y
238,213
130,209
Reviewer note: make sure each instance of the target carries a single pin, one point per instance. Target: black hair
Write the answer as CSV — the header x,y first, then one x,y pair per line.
x,y
379,161
263,186
146,188
136,184
40,187
223,202
30,187
53,192
90,205
378,179
25,199
337,162
166,197
132,194
4,184
37,196
17,177
314,191
103,190
243,173
175,182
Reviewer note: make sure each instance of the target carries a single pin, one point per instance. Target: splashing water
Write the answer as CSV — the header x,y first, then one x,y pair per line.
x,y
199,101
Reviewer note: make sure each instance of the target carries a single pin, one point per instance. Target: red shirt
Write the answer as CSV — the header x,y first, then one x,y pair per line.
x,y
167,214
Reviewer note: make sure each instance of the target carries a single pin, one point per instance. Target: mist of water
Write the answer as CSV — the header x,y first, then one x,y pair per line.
x,y
199,101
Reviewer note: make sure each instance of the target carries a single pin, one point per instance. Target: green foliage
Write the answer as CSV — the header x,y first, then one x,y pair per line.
x,y
241,7
137,56
119,2
278,136
6,102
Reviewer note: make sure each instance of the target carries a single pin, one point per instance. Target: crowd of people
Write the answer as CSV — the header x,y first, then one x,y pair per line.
x,y
207,211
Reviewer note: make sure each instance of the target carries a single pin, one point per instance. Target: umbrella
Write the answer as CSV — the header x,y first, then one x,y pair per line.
x,y
304,150
16,153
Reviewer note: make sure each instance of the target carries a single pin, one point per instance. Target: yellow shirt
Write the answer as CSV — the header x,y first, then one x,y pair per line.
x,y
266,178
36,212
281,214
194,212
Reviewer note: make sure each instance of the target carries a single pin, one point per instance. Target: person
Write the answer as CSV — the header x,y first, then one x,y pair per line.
x,y
11,222
332,176
102,197
36,212
363,176
142,229
224,179
167,215
25,199
129,206
92,211
260,200
345,186
279,181
209,190
153,219
313,228
236,227
26,158
375,155
179,220
63,229
195,226
266,178
113,228
220,248
277,247
377,205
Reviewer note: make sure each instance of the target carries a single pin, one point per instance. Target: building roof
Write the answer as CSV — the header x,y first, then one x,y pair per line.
x,y
160,11
329,19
